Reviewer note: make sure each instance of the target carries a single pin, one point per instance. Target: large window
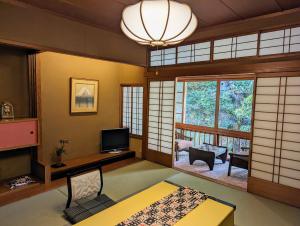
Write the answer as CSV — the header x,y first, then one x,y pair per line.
x,y
132,109
236,105
215,111
196,103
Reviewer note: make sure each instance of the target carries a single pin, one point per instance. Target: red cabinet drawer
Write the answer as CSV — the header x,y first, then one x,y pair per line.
x,y
14,134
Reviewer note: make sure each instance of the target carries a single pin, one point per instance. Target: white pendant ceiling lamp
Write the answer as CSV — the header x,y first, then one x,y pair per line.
x,y
158,22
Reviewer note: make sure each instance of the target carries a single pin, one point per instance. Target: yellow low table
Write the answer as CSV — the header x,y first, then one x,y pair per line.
x,y
209,213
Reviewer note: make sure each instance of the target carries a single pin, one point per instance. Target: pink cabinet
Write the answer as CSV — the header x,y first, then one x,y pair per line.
x,y
18,133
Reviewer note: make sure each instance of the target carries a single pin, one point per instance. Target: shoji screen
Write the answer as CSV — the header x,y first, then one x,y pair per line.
x,y
276,132
235,47
137,111
127,100
161,116
132,112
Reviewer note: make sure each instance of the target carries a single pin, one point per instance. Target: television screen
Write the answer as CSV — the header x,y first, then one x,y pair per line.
x,y
115,139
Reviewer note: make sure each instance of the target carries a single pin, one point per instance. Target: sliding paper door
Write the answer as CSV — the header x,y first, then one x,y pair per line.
x,y
161,121
276,132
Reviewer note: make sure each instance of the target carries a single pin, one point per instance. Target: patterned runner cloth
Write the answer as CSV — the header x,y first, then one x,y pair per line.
x,y
168,210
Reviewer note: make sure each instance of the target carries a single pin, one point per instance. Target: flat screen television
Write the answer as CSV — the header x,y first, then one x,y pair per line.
x,y
114,139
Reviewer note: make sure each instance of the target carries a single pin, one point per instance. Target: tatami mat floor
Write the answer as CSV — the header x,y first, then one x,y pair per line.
x,y
46,209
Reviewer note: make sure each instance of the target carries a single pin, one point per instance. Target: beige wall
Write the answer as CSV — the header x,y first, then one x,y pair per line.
x,y
42,30
82,131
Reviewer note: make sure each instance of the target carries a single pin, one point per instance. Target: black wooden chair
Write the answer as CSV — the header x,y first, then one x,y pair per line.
x,y
240,159
83,184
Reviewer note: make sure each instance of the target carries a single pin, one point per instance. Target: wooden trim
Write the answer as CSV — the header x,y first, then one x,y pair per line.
x,y
183,102
217,111
221,132
40,154
274,191
18,147
159,157
17,120
252,125
145,119
121,107
223,77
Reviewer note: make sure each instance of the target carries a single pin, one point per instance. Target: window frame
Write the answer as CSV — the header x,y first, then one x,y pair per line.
x,y
216,129
131,85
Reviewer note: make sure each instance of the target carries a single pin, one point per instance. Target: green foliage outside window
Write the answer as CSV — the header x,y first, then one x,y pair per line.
x,y
201,103
236,105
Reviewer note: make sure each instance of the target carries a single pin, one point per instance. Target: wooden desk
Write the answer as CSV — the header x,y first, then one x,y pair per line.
x,y
89,161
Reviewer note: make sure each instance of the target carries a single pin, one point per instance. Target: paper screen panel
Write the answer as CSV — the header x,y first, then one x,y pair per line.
x,y
163,57
266,145
161,116
276,132
137,110
280,41
154,116
235,47
126,118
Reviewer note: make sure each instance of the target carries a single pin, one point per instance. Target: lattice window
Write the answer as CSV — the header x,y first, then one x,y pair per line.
x,y
132,109
280,41
193,53
163,57
235,47
276,134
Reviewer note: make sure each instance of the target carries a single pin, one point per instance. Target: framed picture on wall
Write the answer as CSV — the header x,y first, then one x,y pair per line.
x,y
84,96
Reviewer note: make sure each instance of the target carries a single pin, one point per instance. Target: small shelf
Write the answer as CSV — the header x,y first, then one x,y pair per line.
x,y
6,192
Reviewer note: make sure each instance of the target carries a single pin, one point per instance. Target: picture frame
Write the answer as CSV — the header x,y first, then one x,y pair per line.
x,y
83,96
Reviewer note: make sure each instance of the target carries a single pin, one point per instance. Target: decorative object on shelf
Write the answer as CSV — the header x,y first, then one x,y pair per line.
x,y
59,152
20,182
84,96
7,111
158,22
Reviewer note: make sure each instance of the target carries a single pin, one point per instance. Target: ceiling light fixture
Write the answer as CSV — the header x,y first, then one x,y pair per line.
x,y
158,22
